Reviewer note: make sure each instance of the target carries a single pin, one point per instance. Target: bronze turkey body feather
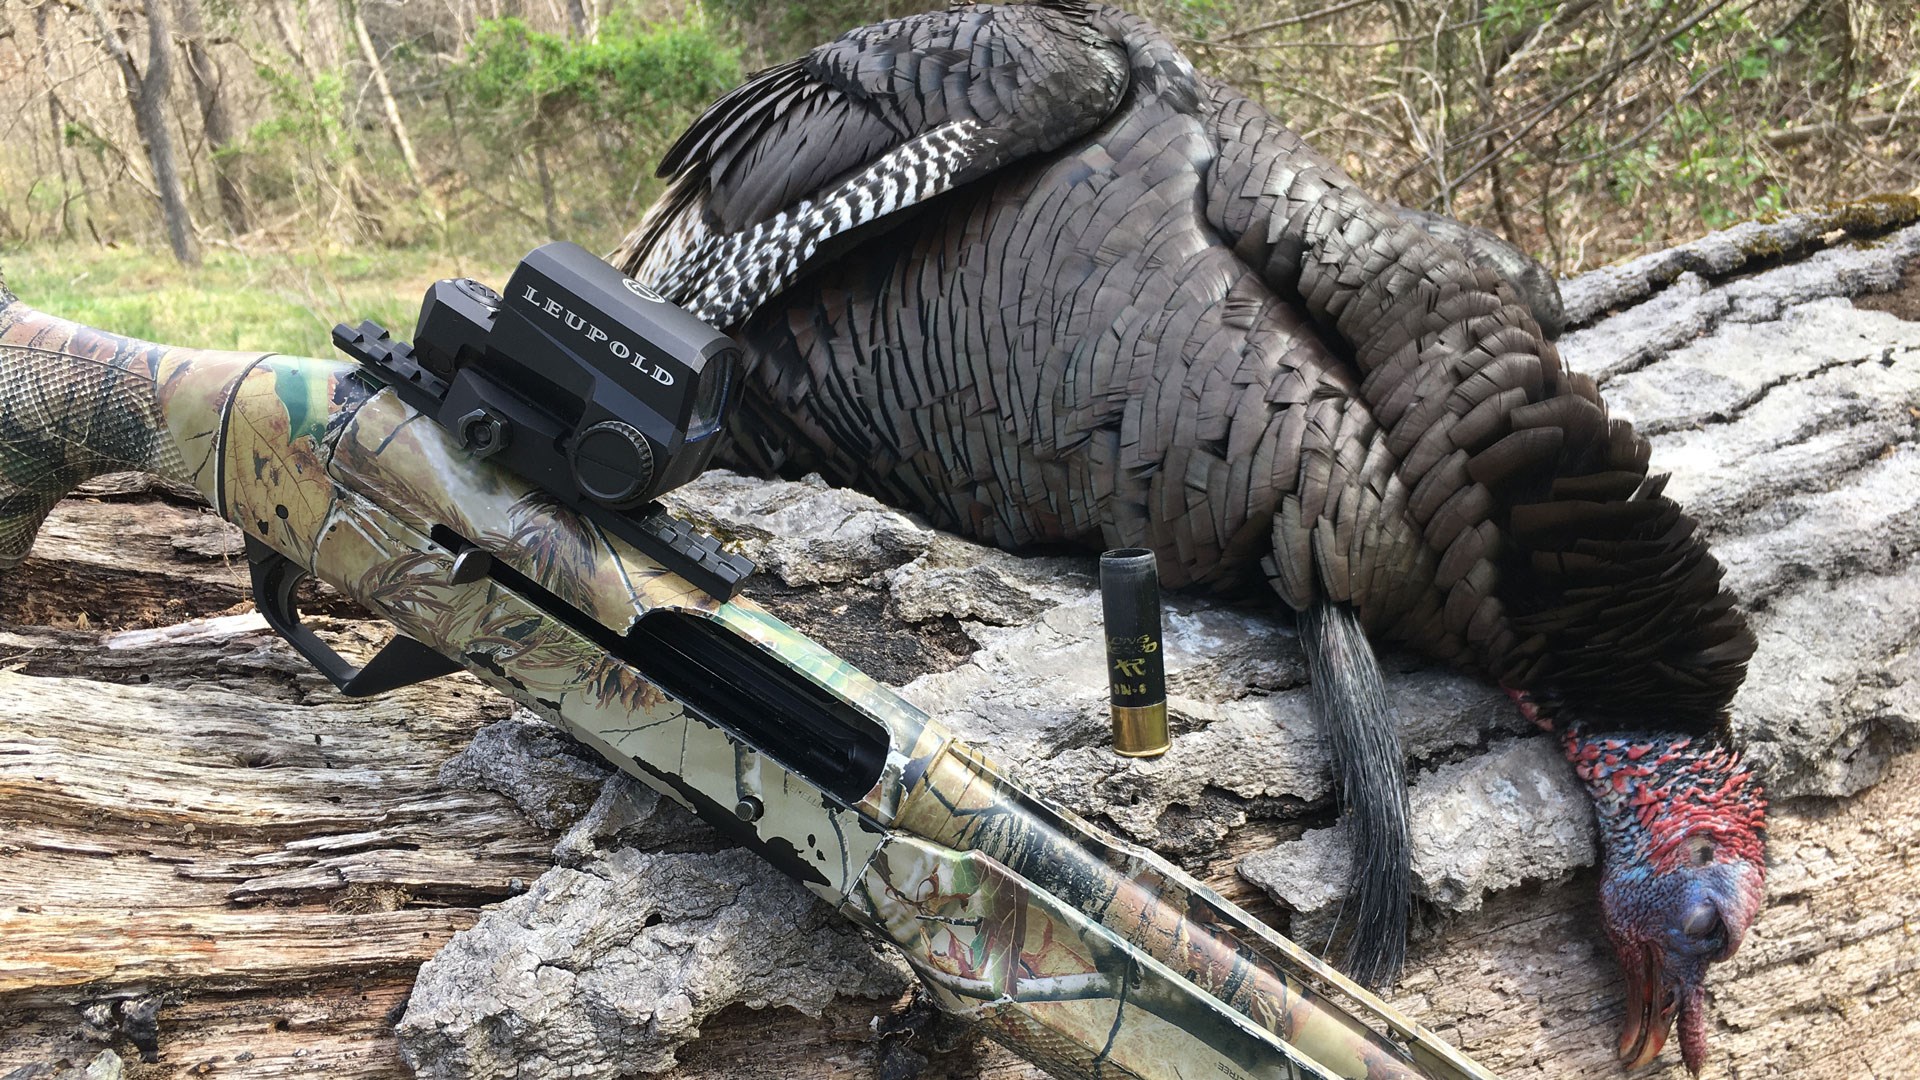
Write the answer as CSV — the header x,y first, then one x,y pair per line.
x,y
1025,271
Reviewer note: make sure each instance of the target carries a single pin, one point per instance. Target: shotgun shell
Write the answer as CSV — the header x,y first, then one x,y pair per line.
x,y
1136,670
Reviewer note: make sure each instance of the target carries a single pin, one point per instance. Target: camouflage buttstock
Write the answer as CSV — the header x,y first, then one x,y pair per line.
x,y
76,402
1087,955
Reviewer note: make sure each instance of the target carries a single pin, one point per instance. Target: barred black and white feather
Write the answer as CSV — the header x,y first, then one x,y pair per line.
x,y
721,277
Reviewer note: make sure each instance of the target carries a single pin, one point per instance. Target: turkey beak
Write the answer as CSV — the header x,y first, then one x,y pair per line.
x,y
1650,1008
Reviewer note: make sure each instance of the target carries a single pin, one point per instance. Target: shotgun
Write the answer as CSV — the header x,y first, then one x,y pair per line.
x,y
489,491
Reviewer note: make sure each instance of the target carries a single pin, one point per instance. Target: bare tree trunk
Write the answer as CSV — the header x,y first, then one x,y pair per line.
x,y
280,17
148,97
577,14
546,188
209,86
56,123
394,124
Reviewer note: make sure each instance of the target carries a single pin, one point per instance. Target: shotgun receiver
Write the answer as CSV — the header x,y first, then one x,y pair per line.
x,y
466,491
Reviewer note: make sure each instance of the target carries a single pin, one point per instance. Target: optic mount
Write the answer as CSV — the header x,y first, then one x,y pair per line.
x,y
584,382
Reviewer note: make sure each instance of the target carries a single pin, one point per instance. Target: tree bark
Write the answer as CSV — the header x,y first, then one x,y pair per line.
x,y
147,96
395,124
209,87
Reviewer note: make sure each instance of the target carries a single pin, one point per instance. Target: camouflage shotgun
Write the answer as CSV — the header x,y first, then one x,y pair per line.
x,y
1089,956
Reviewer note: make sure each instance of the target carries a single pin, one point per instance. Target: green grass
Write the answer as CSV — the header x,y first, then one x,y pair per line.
x,y
254,302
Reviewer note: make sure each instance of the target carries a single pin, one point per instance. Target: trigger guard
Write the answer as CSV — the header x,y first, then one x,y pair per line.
x,y
403,662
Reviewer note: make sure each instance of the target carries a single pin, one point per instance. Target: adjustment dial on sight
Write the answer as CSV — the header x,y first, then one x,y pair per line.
x,y
612,464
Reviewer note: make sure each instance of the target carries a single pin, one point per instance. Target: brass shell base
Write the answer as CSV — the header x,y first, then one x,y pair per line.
x,y
1140,731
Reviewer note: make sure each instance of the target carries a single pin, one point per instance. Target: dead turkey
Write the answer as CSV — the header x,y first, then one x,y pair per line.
x,y
1023,270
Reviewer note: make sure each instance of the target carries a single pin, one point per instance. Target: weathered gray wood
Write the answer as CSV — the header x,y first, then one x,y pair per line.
x,y
184,808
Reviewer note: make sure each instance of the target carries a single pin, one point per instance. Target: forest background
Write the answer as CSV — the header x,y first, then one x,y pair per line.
x,y
246,173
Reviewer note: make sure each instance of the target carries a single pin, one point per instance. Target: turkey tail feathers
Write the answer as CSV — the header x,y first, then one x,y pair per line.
x,y
1371,775
1533,282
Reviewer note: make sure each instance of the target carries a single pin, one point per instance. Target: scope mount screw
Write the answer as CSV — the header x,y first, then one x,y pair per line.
x,y
483,433
478,290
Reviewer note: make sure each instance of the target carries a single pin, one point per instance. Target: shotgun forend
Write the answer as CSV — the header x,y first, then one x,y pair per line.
x,y
1087,955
